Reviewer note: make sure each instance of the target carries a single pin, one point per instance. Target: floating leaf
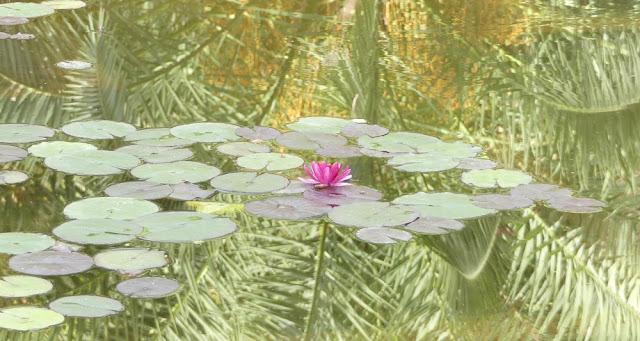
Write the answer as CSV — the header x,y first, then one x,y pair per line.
x,y
540,191
178,227
28,318
98,130
242,148
12,177
92,162
270,161
22,36
422,162
576,205
10,21
131,260
206,132
139,190
24,10
149,134
4,35
372,214
97,231
175,172
46,149
110,208
456,149
443,205
73,65
153,154
258,133
186,191
379,154
383,235
319,124
64,4
294,187
249,182
501,202
290,208
23,286
435,225
358,130
310,141
473,163
23,133
400,142
336,196
11,153
86,306
157,137
148,287
16,243
51,263
490,178
340,151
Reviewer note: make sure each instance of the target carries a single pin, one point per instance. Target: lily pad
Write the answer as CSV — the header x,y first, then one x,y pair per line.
x,y
51,263
380,154
435,225
339,152
131,260
443,205
175,172
110,208
22,36
473,163
4,35
98,130
28,318
576,205
74,65
86,306
206,132
92,162
422,162
64,4
16,243
400,142
242,148
148,287
153,154
258,133
46,149
358,130
139,190
12,177
157,137
490,178
10,21
249,182
540,192
289,208
372,214
11,153
186,191
97,231
310,140
295,187
23,133
319,124
179,227
336,196
23,286
501,202
383,235
24,10
270,161
456,149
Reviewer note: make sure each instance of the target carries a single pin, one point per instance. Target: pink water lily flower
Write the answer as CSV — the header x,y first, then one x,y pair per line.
x,y
324,174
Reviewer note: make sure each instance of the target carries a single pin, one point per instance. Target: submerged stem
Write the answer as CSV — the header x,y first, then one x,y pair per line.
x,y
316,287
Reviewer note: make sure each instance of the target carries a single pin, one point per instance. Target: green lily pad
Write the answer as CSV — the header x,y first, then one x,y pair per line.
x,y
10,21
576,205
86,306
23,133
98,130
110,208
380,154
64,4
473,163
400,142
16,243
490,178
74,65
139,190
249,182
372,214
358,130
11,153
339,152
540,192
28,318
178,227
310,140
319,124
97,231
206,132
295,187
148,134
258,133
148,287
270,161
242,148
289,208
422,162
501,202
12,177
175,172
435,225
22,36
23,286
157,137
456,149
153,154
92,162
186,192
344,195
46,149
383,235
24,10
131,260
51,263
443,205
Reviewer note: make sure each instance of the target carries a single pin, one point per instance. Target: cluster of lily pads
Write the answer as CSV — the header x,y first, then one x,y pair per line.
x,y
159,159
19,13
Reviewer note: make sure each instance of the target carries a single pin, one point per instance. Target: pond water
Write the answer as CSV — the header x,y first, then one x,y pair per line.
x,y
150,153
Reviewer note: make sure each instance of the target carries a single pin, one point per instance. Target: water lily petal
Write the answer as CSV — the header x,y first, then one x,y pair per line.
x,y
309,181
